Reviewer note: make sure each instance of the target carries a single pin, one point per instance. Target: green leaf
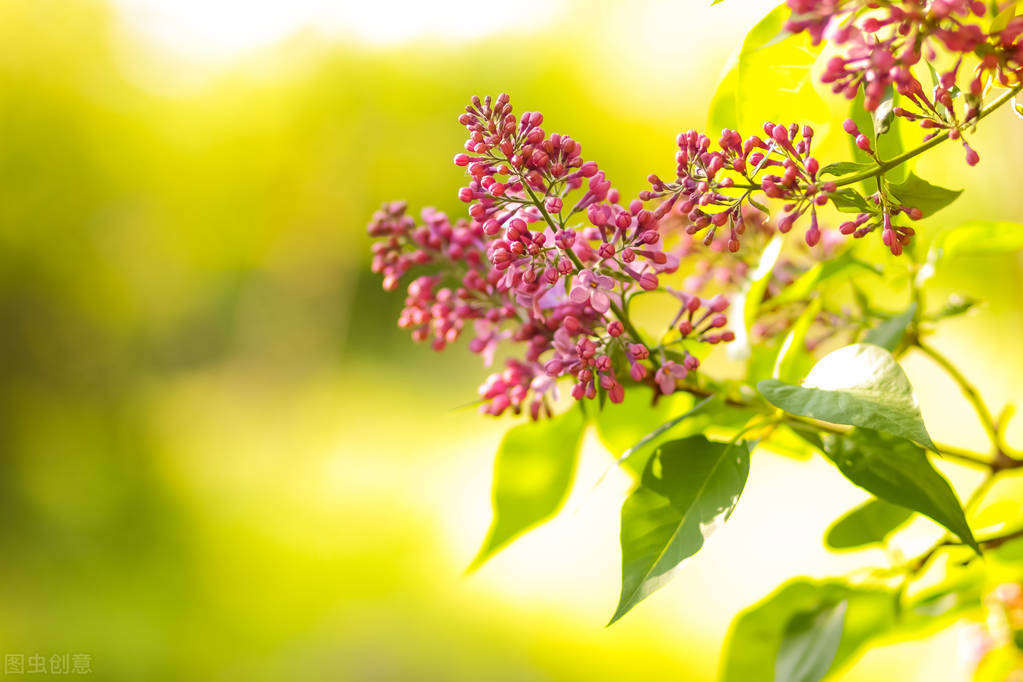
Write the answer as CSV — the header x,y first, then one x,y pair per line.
x,y
722,111
889,333
689,488
871,522
783,441
917,193
977,237
1003,18
848,200
810,643
882,116
774,71
532,475
887,145
898,471
710,405
946,587
834,271
841,168
792,356
755,638
955,305
632,429
858,385
743,310
759,279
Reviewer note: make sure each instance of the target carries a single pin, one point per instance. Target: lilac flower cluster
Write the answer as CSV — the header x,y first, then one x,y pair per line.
x,y
779,164
549,256
547,260
885,42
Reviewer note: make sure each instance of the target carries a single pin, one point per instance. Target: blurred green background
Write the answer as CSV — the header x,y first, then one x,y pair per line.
x,y
221,460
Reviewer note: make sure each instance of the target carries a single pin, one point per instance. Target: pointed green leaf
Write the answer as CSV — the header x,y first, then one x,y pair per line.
x,y
689,489
898,471
643,433
841,168
774,71
1002,18
759,279
858,385
744,308
887,145
871,522
883,116
831,272
810,643
955,305
755,638
532,475
621,426
721,113
917,193
889,333
793,356
978,236
848,200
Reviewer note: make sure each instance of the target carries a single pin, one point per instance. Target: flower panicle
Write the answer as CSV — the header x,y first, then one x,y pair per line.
x,y
545,262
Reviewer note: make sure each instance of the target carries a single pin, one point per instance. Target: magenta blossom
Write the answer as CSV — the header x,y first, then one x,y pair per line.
x,y
589,286
668,374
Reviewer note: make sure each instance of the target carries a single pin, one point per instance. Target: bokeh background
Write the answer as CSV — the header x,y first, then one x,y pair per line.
x,y
220,459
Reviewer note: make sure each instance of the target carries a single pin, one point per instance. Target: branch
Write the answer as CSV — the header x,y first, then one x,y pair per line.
x,y
969,390
951,452
885,166
990,543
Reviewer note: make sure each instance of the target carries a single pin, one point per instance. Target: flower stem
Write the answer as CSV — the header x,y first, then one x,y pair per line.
x,y
885,166
968,389
619,313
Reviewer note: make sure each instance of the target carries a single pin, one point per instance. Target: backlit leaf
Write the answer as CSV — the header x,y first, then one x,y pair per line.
x,y
756,635
898,471
841,168
858,385
809,644
917,193
871,522
532,476
889,333
774,71
977,237
848,200
688,490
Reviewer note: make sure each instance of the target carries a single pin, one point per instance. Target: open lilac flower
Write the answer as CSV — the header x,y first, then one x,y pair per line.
x,y
668,374
589,286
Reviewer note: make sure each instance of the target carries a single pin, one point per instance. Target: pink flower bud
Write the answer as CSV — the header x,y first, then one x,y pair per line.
x,y
637,372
